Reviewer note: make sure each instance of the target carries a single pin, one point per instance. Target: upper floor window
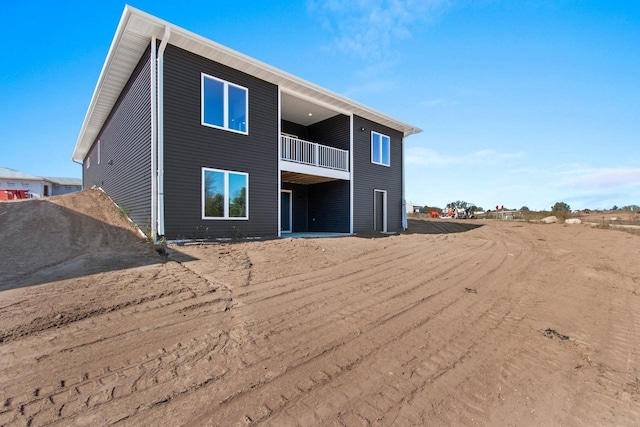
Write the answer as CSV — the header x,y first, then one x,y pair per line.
x,y
380,147
224,105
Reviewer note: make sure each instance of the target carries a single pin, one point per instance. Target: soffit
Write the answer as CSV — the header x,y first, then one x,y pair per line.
x,y
302,111
134,34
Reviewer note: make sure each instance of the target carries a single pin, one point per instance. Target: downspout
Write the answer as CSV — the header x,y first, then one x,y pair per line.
x,y
404,202
279,171
154,158
82,165
160,129
351,174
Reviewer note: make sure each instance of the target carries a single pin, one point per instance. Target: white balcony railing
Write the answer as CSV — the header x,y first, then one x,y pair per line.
x,y
309,153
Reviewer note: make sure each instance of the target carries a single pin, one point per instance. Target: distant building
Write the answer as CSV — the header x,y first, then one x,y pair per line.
x,y
19,185
63,185
409,206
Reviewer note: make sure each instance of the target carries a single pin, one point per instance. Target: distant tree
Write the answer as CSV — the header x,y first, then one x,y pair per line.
x,y
615,208
561,207
524,209
461,204
631,208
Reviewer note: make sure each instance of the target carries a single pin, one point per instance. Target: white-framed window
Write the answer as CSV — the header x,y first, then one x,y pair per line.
x,y
88,162
224,105
380,149
225,194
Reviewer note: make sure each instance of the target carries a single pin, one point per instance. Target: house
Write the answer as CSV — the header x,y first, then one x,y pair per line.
x,y
60,185
19,185
409,207
194,139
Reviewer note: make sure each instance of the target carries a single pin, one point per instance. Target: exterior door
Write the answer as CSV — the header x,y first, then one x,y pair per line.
x,y
285,211
380,210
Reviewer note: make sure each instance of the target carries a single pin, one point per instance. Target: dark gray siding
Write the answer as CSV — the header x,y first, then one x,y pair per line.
x,y
368,177
189,146
300,194
333,132
124,171
302,132
329,207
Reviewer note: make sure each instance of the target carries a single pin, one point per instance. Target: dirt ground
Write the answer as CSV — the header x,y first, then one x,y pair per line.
x,y
479,323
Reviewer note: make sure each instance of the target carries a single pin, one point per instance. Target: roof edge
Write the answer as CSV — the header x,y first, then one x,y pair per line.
x,y
126,13
83,144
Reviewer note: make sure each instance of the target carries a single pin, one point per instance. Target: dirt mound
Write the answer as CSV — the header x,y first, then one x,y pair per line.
x,y
48,239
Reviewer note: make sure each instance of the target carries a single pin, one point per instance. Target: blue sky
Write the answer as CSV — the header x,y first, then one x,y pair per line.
x,y
523,103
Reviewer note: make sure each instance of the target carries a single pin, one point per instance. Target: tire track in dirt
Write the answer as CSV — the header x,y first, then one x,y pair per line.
x,y
382,296
620,348
43,404
61,319
336,285
185,367
444,355
413,330
337,288
332,373
377,290
392,310
530,370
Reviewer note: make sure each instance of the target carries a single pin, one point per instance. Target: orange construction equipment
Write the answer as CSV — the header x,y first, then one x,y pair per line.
x,y
14,194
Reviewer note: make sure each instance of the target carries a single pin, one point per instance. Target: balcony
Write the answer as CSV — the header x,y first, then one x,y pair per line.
x,y
311,154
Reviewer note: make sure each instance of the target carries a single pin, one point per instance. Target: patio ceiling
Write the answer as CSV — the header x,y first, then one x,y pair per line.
x,y
302,111
301,178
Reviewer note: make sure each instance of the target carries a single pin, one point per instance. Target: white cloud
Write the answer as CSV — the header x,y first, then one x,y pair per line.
x,y
489,177
368,87
432,103
369,29
430,157
605,178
